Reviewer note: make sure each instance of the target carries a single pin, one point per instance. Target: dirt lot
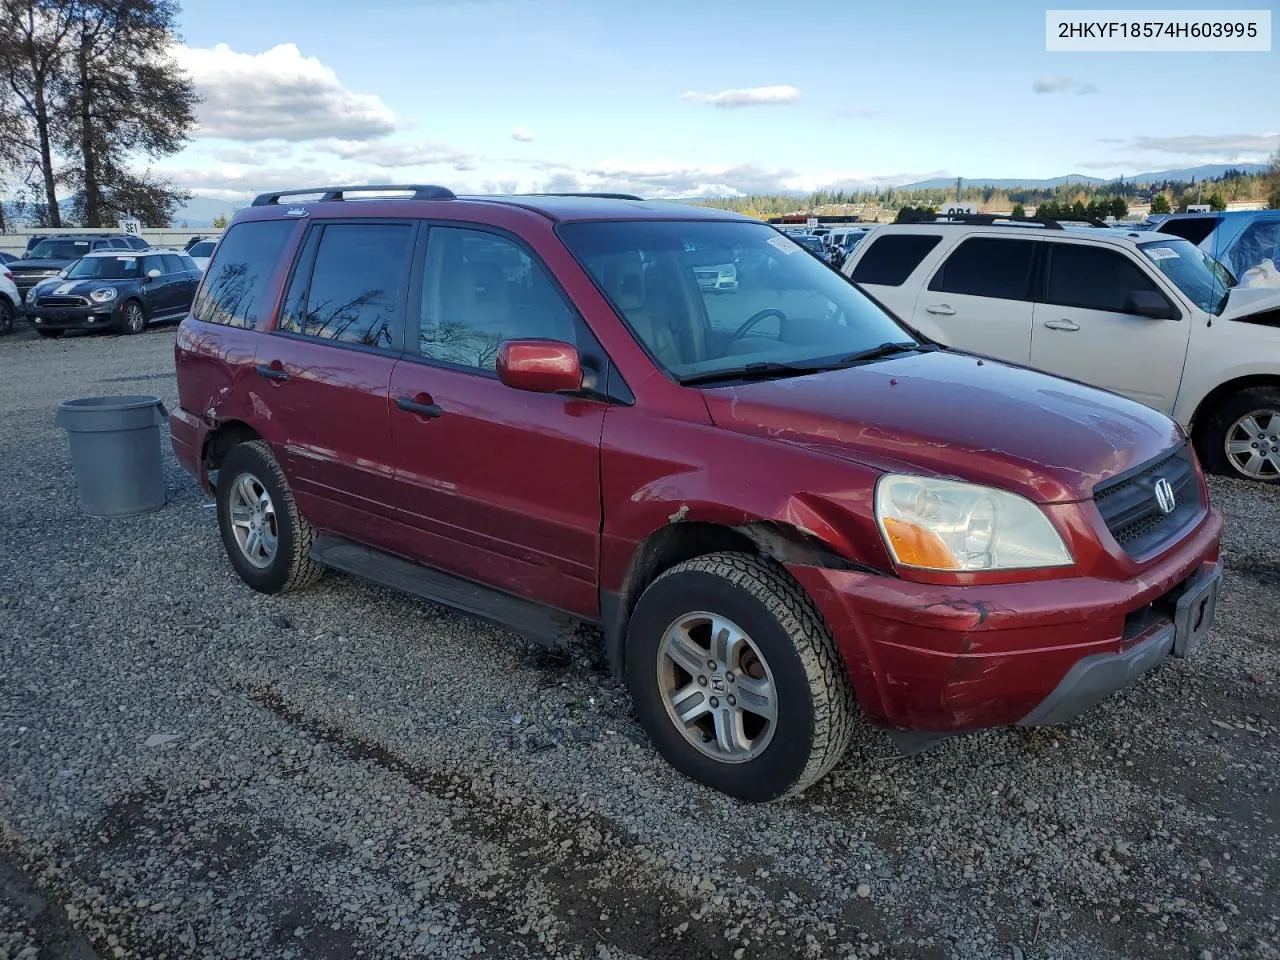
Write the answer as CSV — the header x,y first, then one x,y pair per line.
x,y
189,769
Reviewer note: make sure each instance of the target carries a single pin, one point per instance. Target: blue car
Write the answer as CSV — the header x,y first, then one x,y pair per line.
x,y
1238,239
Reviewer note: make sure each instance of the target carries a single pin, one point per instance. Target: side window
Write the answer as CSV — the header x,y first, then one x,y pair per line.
x,y
891,259
479,289
350,284
1259,241
988,267
235,285
1092,278
172,263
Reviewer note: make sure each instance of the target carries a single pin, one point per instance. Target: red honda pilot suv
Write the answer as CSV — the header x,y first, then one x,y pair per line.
x,y
781,505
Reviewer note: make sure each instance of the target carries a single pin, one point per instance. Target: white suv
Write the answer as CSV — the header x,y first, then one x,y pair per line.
x,y
1143,314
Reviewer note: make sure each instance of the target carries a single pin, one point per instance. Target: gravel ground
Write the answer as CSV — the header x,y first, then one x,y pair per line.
x,y
190,769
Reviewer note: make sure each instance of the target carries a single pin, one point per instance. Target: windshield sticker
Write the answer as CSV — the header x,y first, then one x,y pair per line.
x,y
1162,253
785,245
127,259
82,243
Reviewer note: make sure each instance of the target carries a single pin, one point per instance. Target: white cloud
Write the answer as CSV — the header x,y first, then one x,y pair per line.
x,y
389,156
256,154
1060,84
1230,145
747,96
278,95
522,134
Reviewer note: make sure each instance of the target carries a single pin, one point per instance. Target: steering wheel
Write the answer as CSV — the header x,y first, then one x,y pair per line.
x,y
755,318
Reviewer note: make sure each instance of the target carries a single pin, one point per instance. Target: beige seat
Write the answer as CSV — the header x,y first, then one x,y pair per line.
x,y
624,283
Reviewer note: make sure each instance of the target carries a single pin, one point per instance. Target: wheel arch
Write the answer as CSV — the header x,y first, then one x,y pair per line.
x,y
677,542
1214,397
218,442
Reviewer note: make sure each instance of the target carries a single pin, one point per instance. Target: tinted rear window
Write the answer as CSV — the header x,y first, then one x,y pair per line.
x,y
1194,229
236,283
988,267
891,259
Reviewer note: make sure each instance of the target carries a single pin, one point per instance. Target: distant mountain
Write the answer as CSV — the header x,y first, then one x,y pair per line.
x,y
1007,183
1202,172
200,211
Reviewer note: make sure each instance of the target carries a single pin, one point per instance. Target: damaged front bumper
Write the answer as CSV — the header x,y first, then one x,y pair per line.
x,y
941,659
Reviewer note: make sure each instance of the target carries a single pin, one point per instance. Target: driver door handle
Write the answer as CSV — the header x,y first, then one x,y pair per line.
x,y
1062,325
941,309
428,410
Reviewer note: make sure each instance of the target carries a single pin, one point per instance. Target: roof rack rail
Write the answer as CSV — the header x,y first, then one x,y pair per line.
x,y
421,191
1049,223
602,196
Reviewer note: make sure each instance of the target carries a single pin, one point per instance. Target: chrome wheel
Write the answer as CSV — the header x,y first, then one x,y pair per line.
x,y
253,520
134,320
1253,445
717,688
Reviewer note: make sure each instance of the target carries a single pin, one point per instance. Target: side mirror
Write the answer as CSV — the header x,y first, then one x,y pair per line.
x,y
540,366
1148,303
153,273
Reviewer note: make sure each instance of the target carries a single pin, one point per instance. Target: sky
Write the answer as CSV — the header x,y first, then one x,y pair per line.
x,y
688,97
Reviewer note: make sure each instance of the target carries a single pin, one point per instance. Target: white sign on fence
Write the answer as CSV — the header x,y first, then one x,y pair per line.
x,y
811,223
131,227
1198,208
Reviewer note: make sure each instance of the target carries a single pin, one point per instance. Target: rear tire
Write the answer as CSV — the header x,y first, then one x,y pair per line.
x,y
1241,437
267,540
790,655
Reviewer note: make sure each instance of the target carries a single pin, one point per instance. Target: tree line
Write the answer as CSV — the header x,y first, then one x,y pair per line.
x,y
1078,199
87,91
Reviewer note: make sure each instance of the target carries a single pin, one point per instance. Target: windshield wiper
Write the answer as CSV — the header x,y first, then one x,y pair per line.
x,y
887,350
756,371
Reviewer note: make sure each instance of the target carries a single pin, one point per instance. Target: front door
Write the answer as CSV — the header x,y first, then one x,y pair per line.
x,y
1083,329
979,298
500,486
323,373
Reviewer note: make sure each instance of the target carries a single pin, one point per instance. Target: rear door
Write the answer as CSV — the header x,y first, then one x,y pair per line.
x,y
499,486
980,297
886,265
1084,330
158,294
186,279
323,372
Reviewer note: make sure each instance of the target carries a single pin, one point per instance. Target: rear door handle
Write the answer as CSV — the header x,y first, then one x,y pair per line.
x,y
430,410
270,372
1062,325
941,309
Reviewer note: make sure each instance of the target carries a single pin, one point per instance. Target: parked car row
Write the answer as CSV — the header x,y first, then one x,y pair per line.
x,y
1145,314
784,507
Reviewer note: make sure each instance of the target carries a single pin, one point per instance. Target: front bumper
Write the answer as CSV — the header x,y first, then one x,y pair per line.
x,y
951,658
99,316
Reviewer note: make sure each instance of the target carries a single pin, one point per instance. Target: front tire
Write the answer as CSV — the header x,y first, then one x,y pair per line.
x,y
267,540
133,319
1241,437
736,679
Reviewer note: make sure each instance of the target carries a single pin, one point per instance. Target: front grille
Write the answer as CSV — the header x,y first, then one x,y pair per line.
x,y
62,302
25,281
1131,508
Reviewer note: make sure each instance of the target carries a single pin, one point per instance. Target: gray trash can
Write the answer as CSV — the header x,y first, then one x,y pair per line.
x,y
115,449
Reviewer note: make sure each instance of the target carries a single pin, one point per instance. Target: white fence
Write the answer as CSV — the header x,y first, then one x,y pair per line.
x,y
15,242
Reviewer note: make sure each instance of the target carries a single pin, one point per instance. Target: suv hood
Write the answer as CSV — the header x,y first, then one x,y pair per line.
x,y
27,266
1244,302
955,415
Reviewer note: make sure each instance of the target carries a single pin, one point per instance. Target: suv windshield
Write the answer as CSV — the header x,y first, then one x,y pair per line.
x,y
59,249
1203,279
202,249
814,243
788,309
105,268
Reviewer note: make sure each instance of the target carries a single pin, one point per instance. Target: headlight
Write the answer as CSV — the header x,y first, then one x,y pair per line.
x,y
948,525
103,295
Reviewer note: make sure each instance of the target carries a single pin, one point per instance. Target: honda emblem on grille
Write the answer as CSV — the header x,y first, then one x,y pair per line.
x,y
1164,495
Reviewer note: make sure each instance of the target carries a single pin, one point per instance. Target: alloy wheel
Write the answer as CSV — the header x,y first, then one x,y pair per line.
x,y
1253,445
253,520
717,688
